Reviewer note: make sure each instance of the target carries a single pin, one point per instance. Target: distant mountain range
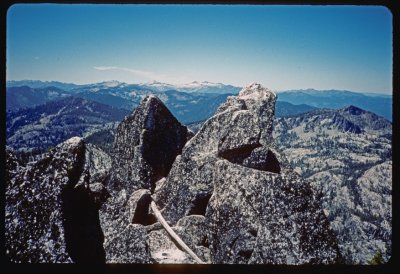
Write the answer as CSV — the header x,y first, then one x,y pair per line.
x,y
191,102
47,125
379,104
51,123
187,107
41,84
283,109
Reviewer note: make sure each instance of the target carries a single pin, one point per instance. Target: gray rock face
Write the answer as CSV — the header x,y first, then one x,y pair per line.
x,y
97,161
145,146
124,242
240,126
260,211
48,213
129,245
261,217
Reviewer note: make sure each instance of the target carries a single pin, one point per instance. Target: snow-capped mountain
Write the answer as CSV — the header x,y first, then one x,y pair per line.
x,y
102,85
194,87
158,86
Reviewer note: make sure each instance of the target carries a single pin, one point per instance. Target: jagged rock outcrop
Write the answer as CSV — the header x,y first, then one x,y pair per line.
x,y
51,214
259,211
262,217
239,132
124,242
146,144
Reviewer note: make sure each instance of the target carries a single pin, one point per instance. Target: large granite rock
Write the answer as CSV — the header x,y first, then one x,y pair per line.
x,y
145,146
260,217
260,211
124,242
240,132
51,214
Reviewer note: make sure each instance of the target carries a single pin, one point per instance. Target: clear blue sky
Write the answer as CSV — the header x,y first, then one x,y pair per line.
x,y
282,47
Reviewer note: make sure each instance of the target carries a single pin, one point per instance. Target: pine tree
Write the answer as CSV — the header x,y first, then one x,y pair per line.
x,y
377,259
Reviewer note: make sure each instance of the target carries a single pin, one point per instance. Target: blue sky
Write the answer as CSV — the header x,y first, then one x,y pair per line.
x,y
282,47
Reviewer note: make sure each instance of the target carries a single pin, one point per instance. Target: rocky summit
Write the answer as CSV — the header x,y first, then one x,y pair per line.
x,y
239,132
257,210
145,146
227,193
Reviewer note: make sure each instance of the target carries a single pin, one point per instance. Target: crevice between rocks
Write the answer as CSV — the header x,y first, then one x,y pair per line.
x,y
83,234
142,213
239,154
199,204
244,156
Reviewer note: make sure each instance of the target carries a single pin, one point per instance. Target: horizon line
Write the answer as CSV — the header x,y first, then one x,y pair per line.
x,y
388,93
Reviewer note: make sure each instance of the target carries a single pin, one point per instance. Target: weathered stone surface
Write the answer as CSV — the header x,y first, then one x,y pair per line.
x,y
46,216
130,245
114,218
146,144
260,211
99,193
124,242
193,232
191,229
187,188
194,227
266,218
242,124
97,161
